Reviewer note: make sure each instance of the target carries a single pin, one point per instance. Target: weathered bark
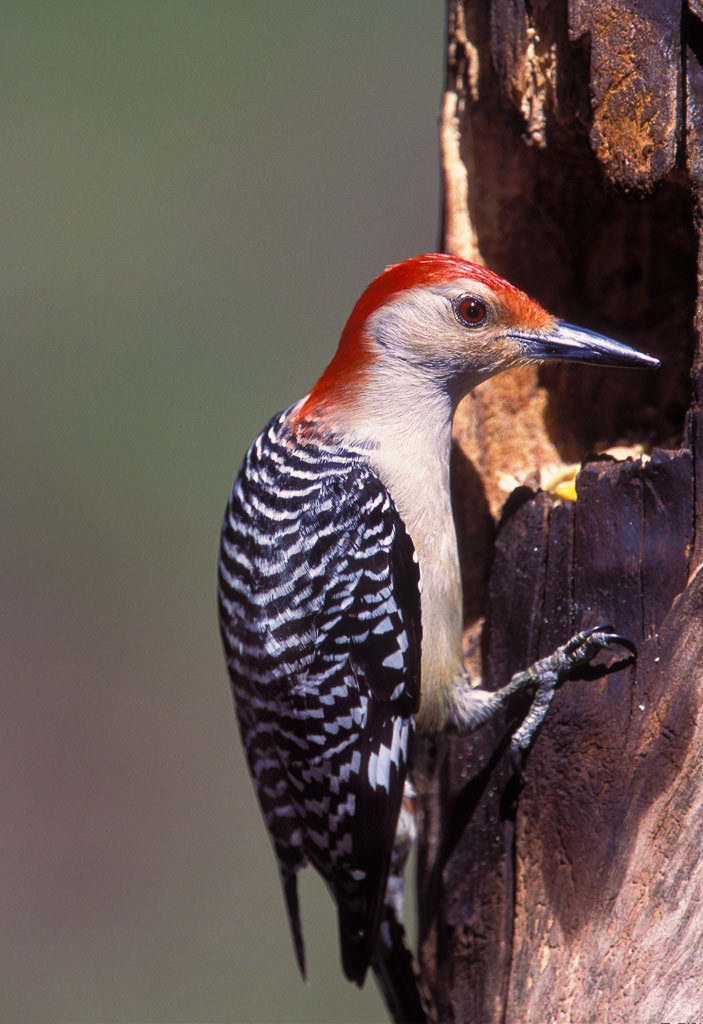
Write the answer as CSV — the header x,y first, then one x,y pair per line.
x,y
572,149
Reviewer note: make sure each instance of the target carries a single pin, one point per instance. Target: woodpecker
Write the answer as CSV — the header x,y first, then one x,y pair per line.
x,y
339,592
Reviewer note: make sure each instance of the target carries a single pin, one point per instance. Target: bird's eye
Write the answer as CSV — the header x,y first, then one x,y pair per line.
x,y
469,311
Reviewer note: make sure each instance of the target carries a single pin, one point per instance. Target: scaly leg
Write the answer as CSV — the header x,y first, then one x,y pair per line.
x,y
549,673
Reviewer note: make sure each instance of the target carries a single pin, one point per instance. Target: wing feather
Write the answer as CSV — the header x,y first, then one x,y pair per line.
x,y
320,617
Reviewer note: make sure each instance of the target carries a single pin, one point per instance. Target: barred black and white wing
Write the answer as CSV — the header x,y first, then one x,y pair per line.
x,y
320,618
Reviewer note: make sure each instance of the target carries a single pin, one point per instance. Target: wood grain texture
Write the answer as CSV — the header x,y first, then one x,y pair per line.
x,y
578,128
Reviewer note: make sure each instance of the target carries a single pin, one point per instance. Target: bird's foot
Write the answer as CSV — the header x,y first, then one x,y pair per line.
x,y
546,675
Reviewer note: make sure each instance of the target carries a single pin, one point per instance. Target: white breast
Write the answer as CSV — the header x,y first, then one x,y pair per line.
x,y
415,469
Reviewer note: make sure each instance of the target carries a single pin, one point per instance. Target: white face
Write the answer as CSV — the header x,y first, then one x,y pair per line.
x,y
457,334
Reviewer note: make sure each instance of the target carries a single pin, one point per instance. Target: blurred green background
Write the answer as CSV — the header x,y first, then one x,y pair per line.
x,y
192,195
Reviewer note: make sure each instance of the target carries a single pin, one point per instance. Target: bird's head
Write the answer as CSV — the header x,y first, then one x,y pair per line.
x,y
443,323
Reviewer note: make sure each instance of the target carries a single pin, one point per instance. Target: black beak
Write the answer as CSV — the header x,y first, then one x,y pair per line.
x,y
581,346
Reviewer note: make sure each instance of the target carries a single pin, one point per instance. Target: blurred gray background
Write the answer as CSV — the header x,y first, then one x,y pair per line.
x,y
192,195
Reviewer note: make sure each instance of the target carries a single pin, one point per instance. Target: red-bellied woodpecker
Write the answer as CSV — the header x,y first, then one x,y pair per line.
x,y
340,598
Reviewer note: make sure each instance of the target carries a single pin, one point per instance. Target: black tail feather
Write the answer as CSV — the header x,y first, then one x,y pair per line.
x,y
290,889
397,974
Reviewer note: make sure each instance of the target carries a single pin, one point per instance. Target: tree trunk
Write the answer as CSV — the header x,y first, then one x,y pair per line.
x,y
572,152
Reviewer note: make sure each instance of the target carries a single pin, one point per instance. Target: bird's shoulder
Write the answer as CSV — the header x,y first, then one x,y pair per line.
x,y
313,539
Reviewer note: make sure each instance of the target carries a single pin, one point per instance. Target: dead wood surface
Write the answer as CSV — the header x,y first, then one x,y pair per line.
x,y
572,149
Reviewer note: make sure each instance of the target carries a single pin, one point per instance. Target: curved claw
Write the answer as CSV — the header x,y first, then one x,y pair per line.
x,y
607,637
585,645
